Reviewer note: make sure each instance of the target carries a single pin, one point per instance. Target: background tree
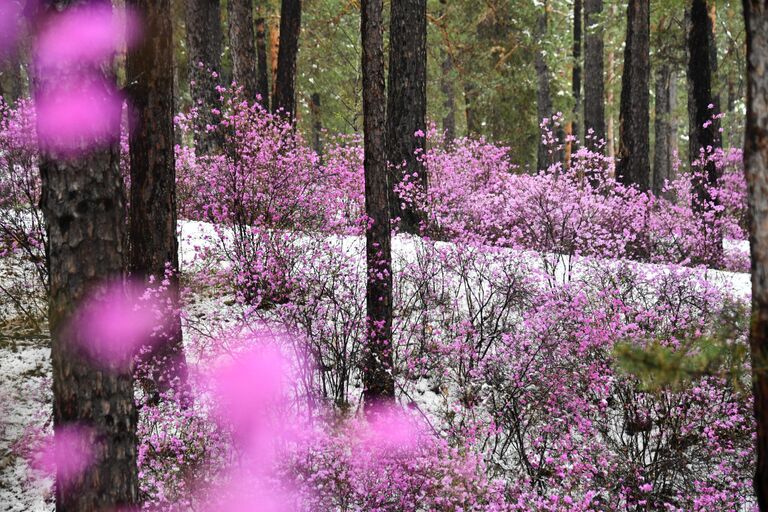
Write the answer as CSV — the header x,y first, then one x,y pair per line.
x,y
756,170
543,95
82,199
576,73
594,87
204,44
378,381
285,83
634,165
407,102
703,131
262,84
242,45
154,248
664,133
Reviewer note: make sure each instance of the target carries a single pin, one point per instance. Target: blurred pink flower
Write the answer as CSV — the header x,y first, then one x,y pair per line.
x,y
69,453
10,19
86,35
114,325
247,390
76,117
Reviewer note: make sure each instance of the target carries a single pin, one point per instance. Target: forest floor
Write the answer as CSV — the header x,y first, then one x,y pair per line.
x,y
25,376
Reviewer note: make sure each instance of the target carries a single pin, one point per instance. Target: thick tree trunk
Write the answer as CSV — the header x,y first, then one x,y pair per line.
x,y
242,46
204,43
407,103
285,84
317,123
703,131
262,84
663,132
153,244
594,87
543,97
82,200
378,381
756,171
449,96
634,167
576,77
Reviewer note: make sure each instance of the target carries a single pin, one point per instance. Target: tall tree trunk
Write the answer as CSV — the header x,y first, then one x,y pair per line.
x,y
634,167
317,123
470,108
262,85
449,96
662,153
704,132
576,77
154,247
378,381
285,83
407,104
756,171
594,87
241,46
543,97
82,200
204,43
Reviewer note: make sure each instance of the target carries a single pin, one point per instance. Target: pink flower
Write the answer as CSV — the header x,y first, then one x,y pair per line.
x,y
86,35
75,117
114,325
68,453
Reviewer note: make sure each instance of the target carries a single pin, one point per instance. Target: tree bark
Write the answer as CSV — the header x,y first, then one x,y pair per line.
x,y
449,96
407,104
317,123
11,82
594,88
154,247
576,77
663,147
378,381
82,200
756,172
242,46
543,97
204,43
704,133
634,167
285,84
262,86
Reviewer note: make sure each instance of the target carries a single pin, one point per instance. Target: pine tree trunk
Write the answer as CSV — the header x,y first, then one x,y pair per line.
x,y
594,87
576,77
407,103
204,43
154,247
634,167
317,123
662,153
82,200
449,96
241,46
470,109
378,381
263,69
756,171
285,84
543,97
703,131
11,82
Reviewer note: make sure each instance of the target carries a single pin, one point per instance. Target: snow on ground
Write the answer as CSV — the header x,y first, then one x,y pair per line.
x,y
25,361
